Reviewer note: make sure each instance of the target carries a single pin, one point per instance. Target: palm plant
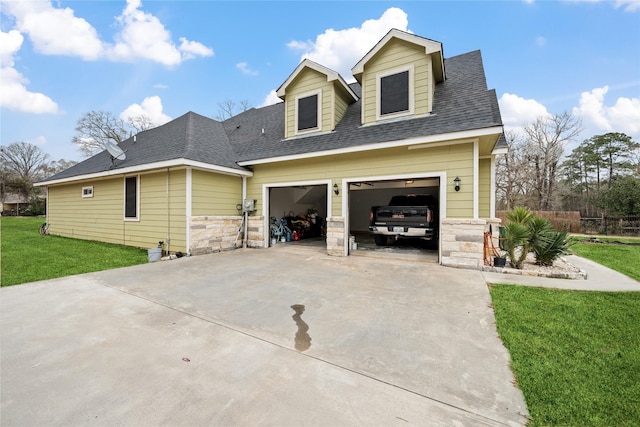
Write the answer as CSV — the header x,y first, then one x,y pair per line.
x,y
515,243
551,246
526,233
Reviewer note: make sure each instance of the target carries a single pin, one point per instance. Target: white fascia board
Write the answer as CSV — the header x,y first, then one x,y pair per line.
x,y
411,143
307,63
148,167
501,150
430,47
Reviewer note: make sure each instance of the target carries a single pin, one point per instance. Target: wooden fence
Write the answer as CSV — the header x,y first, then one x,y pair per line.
x,y
561,220
572,222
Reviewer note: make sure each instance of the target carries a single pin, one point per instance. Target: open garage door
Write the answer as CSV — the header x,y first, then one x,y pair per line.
x,y
365,194
299,213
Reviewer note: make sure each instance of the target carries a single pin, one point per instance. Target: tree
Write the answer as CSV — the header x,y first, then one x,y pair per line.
x,y
22,165
140,123
622,198
512,180
546,139
55,166
95,128
228,108
593,167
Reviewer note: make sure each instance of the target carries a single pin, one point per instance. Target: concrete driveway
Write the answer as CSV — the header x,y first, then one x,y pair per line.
x,y
284,336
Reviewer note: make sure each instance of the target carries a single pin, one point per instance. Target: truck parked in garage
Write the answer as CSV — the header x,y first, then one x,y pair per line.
x,y
406,216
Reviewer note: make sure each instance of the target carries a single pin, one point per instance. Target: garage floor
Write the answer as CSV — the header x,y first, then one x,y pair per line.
x,y
414,250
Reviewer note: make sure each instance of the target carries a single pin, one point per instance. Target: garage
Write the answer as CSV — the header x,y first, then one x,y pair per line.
x,y
298,212
363,194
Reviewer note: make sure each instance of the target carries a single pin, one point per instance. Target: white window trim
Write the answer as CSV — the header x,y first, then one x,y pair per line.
x,y
124,204
87,192
387,73
319,109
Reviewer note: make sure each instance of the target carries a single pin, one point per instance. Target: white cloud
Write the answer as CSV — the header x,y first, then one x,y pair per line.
x,y
271,99
518,112
150,107
15,95
627,5
160,86
623,116
191,49
541,41
142,35
55,31
340,50
244,67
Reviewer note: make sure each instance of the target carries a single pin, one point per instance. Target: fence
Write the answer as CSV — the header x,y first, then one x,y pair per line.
x,y
569,221
616,226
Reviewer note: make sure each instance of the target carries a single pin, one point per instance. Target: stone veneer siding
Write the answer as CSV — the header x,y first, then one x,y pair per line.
x,y
214,233
463,241
335,236
255,232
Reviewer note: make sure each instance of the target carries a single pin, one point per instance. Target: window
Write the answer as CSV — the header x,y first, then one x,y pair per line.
x,y
308,113
395,95
87,191
131,197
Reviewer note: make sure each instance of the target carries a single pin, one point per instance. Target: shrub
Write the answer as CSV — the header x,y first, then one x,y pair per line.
x,y
550,246
526,232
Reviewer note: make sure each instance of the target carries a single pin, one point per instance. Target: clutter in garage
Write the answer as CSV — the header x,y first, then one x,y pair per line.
x,y
292,227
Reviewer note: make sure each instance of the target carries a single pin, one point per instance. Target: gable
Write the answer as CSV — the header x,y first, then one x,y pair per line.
x,y
316,99
408,72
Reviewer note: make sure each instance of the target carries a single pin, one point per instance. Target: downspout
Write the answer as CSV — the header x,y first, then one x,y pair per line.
x,y
168,215
245,214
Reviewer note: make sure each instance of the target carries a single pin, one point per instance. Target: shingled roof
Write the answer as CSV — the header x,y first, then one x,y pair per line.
x,y
190,137
462,102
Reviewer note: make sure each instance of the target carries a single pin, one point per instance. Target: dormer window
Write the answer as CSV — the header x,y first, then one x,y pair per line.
x,y
395,93
308,110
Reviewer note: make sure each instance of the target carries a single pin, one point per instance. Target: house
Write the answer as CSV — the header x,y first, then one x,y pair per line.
x,y
413,121
13,204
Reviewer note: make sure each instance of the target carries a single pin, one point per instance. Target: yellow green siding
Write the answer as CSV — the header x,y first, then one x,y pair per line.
x,y
455,160
215,194
397,54
308,81
162,213
484,188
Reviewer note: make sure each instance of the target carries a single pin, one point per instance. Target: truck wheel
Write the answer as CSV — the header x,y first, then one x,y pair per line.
x,y
380,240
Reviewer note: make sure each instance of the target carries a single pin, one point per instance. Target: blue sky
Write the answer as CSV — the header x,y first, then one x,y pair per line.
x,y
62,59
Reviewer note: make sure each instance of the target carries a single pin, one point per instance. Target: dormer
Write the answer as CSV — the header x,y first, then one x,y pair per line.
x,y
316,98
398,77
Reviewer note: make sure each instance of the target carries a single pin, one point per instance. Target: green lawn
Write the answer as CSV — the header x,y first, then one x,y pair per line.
x,y
622,258
576,355
27,256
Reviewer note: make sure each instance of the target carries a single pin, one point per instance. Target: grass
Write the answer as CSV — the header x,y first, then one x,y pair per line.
x,y
622,258
576,355
27,256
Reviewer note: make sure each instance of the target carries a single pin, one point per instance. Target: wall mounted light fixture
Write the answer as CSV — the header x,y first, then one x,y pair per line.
x,y
335,189
456,181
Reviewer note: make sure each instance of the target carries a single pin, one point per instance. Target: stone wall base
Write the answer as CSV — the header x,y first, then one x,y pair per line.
x,y
219,233
463,241
335,236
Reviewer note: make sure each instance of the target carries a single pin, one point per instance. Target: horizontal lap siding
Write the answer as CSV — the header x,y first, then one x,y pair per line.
x,y
455,160
92,218
101,217
215,194
162,212
484,188
308,81
395,55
